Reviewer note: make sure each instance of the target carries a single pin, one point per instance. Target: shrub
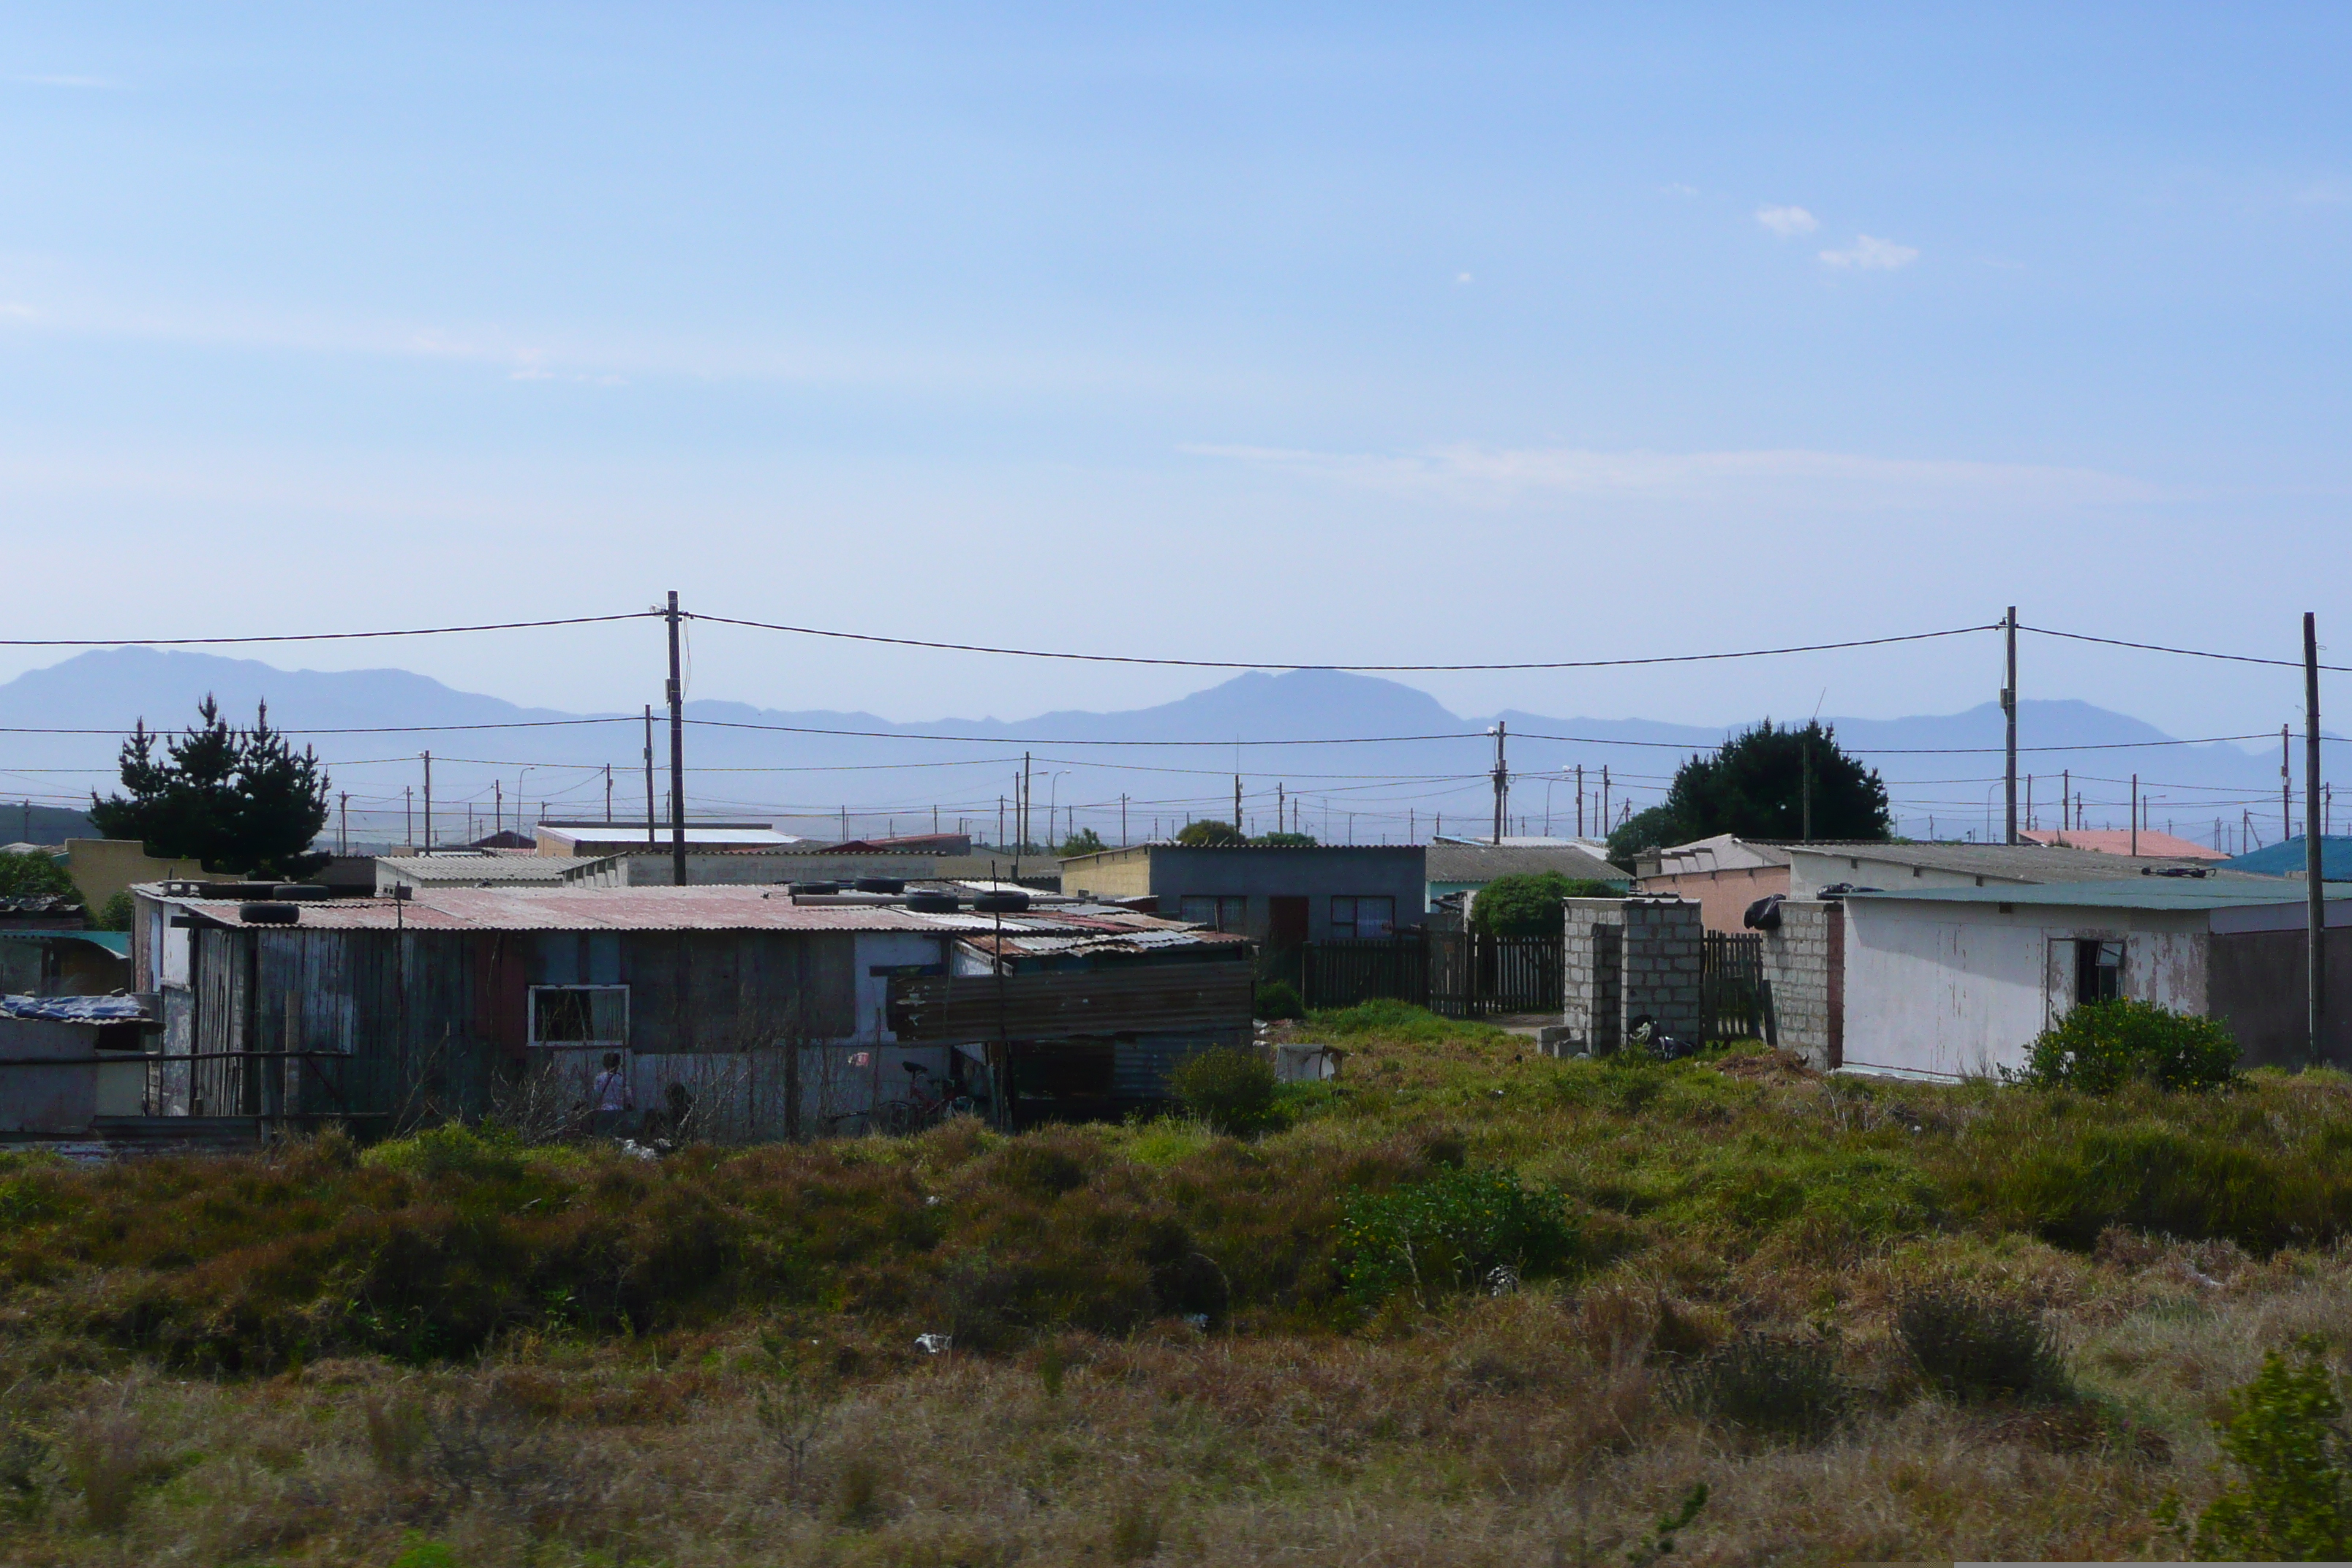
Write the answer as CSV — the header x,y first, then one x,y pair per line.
x,y
1529,905
1398,1020
1279,999
2285,1432
28,874
1973,1347
2099,1046
1231,1091
1461,1230
1790,1387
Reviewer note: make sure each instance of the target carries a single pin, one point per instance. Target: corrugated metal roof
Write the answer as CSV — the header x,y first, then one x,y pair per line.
x,y
545,869
2119,841
2020,863
626,833
1485,862
2134,892
668,909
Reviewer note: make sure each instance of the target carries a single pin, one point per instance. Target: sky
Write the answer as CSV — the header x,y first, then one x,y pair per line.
x,y
1363,335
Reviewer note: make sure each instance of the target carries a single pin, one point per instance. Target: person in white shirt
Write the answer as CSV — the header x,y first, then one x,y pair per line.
x,y
614,1097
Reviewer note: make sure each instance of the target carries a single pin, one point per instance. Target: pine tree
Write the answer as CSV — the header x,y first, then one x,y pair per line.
x,y
233,800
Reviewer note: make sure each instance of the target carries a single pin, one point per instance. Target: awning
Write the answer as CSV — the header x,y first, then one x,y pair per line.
x,y
117,942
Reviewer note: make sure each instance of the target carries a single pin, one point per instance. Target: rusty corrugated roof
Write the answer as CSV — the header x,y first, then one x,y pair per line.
x,y
710,907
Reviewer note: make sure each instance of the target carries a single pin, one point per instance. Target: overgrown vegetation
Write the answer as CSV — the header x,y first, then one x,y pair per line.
x,y
1465,1303
2099,1046
1529,905
27,875
1232,1091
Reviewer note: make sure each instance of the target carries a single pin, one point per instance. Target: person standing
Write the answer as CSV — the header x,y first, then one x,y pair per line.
x,y
613,1096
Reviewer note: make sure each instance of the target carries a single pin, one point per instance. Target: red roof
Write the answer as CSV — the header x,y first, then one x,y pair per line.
x,y
2118,841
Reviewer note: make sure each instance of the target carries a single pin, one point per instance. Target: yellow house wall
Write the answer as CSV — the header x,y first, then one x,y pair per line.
x,y
1119,874
101,867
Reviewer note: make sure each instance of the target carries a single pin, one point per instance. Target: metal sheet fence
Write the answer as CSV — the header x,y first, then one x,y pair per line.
x,y
1733,1002
1455,975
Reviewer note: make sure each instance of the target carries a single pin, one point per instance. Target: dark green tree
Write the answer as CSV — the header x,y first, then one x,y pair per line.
x,y
1210,833
1085,841
236,800
1529,905
33,876
1756,785
1286,840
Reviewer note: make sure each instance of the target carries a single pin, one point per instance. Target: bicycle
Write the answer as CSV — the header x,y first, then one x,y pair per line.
x,y
920,1109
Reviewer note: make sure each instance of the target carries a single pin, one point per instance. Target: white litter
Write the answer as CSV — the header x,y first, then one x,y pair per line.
x,y
935,1344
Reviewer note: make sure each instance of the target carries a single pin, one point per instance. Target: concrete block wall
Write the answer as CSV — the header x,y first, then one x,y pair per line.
x,y
1662,958
1804,964
1627,959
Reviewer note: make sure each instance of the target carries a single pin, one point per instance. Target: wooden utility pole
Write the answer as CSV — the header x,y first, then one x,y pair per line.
x,y
428,846
344,823
1028,788
608,792
1605,800
2314,834
2287,790
1502,783
677,753
649,775
1805,785
408,816
1579,799
1237,803
2008,710
2135,814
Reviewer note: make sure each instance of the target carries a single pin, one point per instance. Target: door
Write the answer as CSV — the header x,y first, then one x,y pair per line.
x,y
1285,922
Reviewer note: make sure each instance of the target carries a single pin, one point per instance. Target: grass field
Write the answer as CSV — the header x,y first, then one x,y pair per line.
x,y
1161,1344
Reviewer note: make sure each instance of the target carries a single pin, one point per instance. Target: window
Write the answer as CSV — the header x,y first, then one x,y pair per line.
x,y
2098,971
1221,911
1362,915
576,1018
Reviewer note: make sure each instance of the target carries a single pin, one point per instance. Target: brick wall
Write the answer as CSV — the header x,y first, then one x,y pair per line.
x,y
1804,964
1627,959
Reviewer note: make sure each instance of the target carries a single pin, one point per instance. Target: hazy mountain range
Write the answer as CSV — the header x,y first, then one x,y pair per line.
x,y
1390,753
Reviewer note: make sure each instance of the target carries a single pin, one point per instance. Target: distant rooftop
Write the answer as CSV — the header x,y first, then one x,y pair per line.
x,y
2120,841
2014,863
2136,892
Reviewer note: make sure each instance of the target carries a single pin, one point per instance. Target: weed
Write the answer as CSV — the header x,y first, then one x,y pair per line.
x,y
1278,999
1786,1387
2285,1432
397,1429
1450,1234
1134,1531
1232,1091
1660,1542
1972,1347
110,1458
856,1491
2099,1046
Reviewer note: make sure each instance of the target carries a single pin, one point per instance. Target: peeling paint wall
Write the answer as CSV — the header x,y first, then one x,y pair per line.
x,y
1961,990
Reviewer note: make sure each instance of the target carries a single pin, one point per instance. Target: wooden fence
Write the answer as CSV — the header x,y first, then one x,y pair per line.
x,y
1455,975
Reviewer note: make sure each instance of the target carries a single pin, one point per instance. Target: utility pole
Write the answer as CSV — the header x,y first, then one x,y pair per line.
x,y
344,823
1605,800
497,805
2314,832
2008,710
1579,799
1000,821
2134,815
2065,794
1122,821
649,775
1805,785
1237,803
677,753
408,816
2286,791
1502,783
608,792
428,803
1028,788
1281,807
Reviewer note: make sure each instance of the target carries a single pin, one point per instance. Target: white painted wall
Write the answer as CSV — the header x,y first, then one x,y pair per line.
x,y
1959,990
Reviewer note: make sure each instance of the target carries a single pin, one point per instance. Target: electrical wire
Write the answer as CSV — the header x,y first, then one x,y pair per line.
x,y
2183,652
1373,668
320,636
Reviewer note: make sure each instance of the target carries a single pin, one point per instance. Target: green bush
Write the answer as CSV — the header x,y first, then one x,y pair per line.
x,y
1973,1347
33,876
1231,1091
116,915
1461,1230
2285,1432
1767,1384
1279,999
2099,1046
1529,905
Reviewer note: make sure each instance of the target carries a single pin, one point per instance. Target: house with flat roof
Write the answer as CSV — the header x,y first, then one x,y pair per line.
x,y
778,1012
1278,895
1817,865
1457,867
1952,982
1723,875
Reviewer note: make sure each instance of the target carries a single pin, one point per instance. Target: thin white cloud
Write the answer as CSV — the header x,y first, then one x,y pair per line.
x,y
1501,476
1787,222
1461,277
1871,254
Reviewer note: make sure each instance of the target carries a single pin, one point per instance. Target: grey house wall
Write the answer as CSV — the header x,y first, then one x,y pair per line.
x,y
1317,875
1804,964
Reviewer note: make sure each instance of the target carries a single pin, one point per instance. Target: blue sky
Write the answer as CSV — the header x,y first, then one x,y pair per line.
x,y
1359,333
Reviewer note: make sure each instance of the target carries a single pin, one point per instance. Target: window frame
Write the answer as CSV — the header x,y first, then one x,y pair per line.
x,y
1222,905
537,1043
1351,929
2088,951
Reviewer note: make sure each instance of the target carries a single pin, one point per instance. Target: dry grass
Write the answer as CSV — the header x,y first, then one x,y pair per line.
x,y
481,1356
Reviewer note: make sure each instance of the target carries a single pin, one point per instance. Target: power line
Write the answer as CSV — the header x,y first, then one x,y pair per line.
x,y
2184,652
319,636
1371,668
